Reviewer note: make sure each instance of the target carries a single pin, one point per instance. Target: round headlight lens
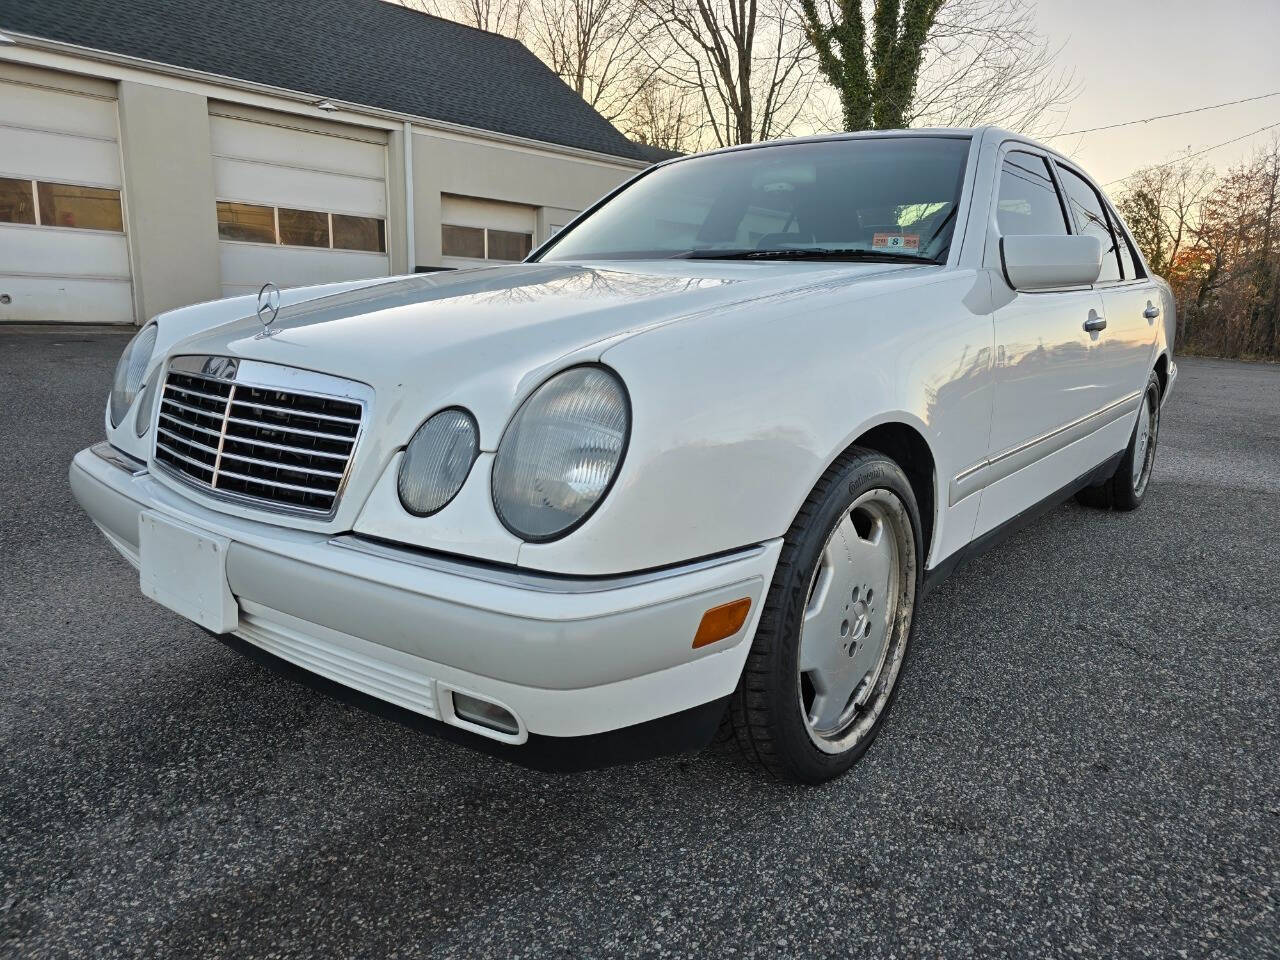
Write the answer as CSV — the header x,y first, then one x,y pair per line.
x,y
129,372
437,460
561,452
142,422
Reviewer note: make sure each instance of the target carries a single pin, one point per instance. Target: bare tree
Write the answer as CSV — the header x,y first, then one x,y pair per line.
x,y
507,17
665,116
1216,239
747,61
986,63
899,63
596,46
1161,206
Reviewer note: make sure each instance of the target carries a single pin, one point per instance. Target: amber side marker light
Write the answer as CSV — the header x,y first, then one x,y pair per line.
x,y
722,621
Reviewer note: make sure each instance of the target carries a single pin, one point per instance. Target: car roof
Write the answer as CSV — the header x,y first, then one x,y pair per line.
x,y
973,133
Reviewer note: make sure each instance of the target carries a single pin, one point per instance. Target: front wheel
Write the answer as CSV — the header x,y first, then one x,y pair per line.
x,y
1125,489
833,636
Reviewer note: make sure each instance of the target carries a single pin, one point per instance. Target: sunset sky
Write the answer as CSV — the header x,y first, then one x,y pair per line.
x,y
1136,58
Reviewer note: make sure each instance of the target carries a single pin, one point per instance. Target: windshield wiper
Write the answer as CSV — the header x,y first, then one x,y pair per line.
x,y
806,253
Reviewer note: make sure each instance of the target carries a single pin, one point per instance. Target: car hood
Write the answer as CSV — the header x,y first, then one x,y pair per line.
x,y
475,337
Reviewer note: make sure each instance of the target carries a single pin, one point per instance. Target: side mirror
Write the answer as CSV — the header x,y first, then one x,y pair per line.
x,y
1048,262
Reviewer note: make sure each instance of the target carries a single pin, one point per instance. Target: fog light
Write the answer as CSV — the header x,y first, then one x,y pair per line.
x,y
484,713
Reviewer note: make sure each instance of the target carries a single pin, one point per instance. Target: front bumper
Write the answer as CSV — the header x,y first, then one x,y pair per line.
x,y
568,657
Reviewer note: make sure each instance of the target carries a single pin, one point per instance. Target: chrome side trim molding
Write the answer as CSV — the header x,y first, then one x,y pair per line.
x,y
993,469
531,579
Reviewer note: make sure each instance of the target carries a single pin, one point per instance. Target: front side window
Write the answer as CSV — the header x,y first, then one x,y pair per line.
x,y
1029,202
1091,219
837,199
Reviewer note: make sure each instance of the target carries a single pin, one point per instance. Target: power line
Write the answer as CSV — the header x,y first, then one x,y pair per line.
x,y
1165,116
1169,163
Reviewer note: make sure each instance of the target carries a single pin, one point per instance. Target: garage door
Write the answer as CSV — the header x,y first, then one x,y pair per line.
x,y
297,206
63,253
473,231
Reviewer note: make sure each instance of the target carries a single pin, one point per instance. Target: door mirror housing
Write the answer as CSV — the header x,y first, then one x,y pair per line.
x,y
1034,262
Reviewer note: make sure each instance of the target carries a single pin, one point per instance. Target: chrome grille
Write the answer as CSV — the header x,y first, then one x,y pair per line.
x,y
268,445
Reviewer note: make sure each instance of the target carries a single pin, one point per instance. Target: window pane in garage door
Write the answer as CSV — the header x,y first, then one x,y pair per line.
x,y
246,221
462,241
16,203
359,233
505,245
304,228
89,208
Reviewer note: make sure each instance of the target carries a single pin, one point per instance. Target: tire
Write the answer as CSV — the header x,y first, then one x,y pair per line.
x,y
838,613
1126,488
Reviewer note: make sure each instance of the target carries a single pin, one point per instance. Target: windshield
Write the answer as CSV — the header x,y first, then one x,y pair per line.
x,y
872,198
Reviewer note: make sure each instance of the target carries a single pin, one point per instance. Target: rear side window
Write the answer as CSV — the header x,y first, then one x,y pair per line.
x,y
1091,219
1029,202
1129,262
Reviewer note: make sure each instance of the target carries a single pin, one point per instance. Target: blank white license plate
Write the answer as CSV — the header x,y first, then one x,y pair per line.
x,y
185,569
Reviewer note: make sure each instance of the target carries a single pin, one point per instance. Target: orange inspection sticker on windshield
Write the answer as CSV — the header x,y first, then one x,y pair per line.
x,y
896,241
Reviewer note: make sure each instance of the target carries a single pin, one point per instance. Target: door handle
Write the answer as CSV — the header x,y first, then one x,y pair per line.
x,y
1095,323
1152,311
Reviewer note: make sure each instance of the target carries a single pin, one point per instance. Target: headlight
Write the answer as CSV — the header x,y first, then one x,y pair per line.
x,y
561,452
129,372
142,422
437,461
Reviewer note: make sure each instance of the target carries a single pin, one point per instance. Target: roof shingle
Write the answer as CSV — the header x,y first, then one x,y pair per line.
x,y
366,52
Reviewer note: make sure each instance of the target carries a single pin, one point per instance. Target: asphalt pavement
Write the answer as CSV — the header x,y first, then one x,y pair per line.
x,y
1084,759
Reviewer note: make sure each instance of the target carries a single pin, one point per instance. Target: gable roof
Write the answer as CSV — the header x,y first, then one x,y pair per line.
x,y
366,52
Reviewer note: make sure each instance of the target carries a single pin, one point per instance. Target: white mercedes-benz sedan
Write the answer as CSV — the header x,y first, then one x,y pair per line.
x,y
688,468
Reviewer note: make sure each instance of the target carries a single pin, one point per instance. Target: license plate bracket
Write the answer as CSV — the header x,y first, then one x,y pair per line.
x,y
185,569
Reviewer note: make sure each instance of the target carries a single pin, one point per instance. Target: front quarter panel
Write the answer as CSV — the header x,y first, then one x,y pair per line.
x,y
736,415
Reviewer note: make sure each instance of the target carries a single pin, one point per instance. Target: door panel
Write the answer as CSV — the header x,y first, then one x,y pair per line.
x,y
1130,335
1123,350
1046,365
1049,389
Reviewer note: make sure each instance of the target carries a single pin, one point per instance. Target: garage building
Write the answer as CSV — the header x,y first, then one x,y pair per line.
x,y
155,153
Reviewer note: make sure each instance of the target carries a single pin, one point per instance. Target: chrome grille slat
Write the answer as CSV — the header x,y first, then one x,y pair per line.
x,y
300,413
183,406
207,467
188,441
189,426
195,393
222,472
257,441
284,447
271,426
228,455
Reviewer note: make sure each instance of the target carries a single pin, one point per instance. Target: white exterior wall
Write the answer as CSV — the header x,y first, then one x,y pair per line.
x,y
552,188
258,145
